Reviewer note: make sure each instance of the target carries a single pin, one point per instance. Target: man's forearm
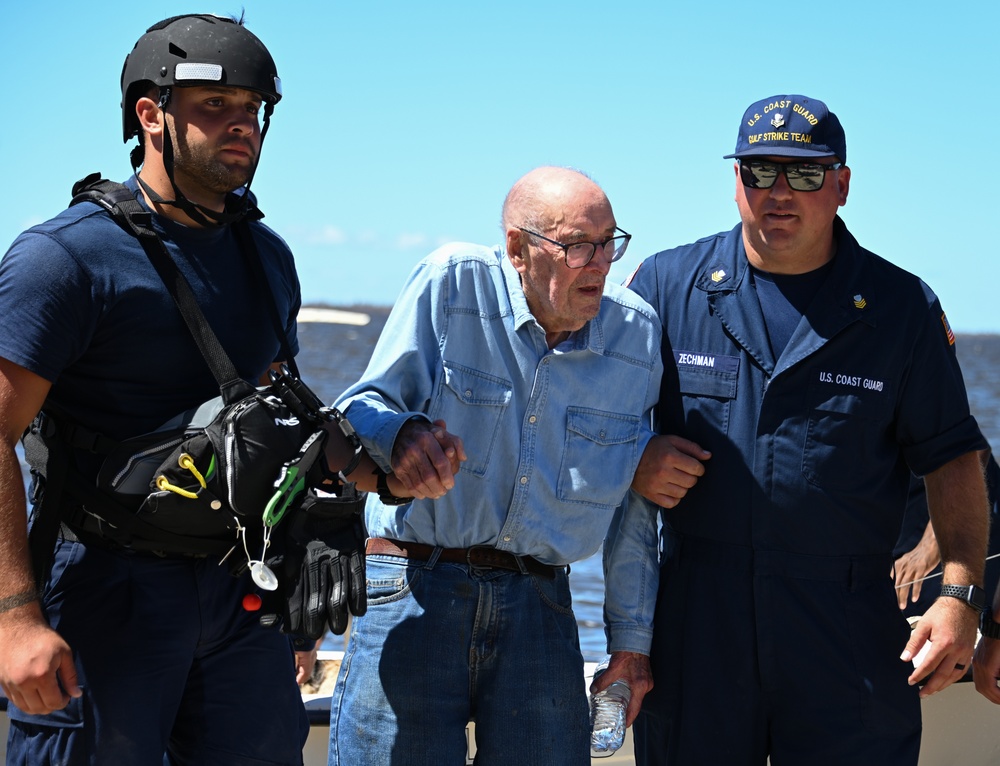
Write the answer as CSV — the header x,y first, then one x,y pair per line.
x,y
16,578
956,499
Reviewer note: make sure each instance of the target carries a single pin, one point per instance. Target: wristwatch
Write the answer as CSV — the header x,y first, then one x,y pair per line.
x,y
972,595
987,626
382,486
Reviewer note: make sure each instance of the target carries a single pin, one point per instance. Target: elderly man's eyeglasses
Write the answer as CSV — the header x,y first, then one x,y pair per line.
x,y
801,176
579,254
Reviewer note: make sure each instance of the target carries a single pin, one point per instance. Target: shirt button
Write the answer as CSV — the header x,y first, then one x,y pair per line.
x,y
532,419
524,479
506,538
468,393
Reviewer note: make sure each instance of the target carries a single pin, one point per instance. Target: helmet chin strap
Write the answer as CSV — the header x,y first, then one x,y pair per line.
x,y
236,206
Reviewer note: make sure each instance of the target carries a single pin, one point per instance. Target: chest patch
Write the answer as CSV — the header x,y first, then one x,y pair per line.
x,y
719,362
851,381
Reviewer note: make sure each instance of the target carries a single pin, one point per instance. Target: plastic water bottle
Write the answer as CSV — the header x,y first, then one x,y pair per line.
x,y
607,715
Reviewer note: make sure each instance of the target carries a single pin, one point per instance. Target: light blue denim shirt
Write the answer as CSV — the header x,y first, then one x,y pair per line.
x,y
631,575
553,436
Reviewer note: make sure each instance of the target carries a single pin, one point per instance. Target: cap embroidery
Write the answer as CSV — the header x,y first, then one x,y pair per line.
x,y
790,126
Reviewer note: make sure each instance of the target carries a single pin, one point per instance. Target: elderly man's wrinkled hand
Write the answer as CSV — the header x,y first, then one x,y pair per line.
x,y
426,457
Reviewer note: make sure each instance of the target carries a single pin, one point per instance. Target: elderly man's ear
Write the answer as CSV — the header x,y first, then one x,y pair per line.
x,y
515,245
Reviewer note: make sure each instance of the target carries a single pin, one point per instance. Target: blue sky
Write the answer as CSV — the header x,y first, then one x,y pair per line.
x,y
404,123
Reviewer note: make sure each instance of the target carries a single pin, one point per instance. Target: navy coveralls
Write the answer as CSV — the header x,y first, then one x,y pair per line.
x,y
776,629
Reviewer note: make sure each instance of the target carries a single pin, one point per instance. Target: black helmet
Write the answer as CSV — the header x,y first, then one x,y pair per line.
x,y
199,49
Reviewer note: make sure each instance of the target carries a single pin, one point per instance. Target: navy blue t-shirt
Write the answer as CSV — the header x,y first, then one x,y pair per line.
x,y
84,308
784,298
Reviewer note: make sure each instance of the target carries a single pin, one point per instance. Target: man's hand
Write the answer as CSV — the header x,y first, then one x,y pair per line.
x,y
950,626
36,665
305,662
910,568
668,468
635,671
986,669
426,458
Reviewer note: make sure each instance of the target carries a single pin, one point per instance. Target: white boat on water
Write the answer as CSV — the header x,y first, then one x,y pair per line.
x,y
325,315
960,725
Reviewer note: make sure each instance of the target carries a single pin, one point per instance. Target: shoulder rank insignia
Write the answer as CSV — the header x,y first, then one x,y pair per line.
x,y
719,275
859,301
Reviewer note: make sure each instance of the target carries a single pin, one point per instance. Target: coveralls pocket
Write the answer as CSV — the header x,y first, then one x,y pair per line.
x,y
54,738
889,705
842,439
489,395
712,391
600,482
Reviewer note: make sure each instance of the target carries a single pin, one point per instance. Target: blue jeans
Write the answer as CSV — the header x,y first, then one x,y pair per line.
x,y
443,644
172,669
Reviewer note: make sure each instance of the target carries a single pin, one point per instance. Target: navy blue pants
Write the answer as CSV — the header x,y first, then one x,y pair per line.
x,y
173,670
790,656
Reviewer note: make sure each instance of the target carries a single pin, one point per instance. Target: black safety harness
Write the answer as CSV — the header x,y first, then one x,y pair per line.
x,y
91,515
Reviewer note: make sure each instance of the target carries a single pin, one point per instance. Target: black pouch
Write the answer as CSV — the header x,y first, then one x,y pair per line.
x,y
214,468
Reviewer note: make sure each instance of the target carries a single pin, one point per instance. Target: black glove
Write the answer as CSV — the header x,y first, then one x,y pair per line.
x,y
320,565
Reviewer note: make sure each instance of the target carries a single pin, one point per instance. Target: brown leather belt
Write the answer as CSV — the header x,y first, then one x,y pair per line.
x,y
480,556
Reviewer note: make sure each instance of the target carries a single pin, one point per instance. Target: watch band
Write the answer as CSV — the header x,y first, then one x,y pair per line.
x,y
972,595
382,486
987,626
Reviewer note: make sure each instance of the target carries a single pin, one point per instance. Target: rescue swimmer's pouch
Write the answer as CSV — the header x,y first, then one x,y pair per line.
x,y
213,468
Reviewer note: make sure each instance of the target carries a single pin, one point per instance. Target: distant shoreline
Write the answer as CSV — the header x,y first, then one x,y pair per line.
x,y
371,308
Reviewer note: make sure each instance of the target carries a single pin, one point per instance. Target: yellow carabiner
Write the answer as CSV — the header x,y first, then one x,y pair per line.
x,y
165,486
186,461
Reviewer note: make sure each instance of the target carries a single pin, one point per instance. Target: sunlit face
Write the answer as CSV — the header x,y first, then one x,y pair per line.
x,y
560,298
217,136
788,231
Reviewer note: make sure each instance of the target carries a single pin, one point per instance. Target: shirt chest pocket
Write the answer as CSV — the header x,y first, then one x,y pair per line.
x,y
473,403
600,456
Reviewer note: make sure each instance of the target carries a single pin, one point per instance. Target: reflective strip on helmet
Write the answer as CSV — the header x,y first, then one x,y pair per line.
x,y
277,85
198,72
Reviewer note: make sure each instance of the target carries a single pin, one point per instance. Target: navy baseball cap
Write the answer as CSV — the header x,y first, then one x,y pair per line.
x,y
790,126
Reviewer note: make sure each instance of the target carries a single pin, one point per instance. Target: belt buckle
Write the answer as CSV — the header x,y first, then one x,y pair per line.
x,y
497,555
468,558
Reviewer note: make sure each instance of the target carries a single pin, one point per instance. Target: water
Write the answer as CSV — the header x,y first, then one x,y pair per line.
x,y
333,356
608,709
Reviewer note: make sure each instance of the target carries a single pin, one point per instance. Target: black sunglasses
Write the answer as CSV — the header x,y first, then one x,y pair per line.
x,y
801,176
